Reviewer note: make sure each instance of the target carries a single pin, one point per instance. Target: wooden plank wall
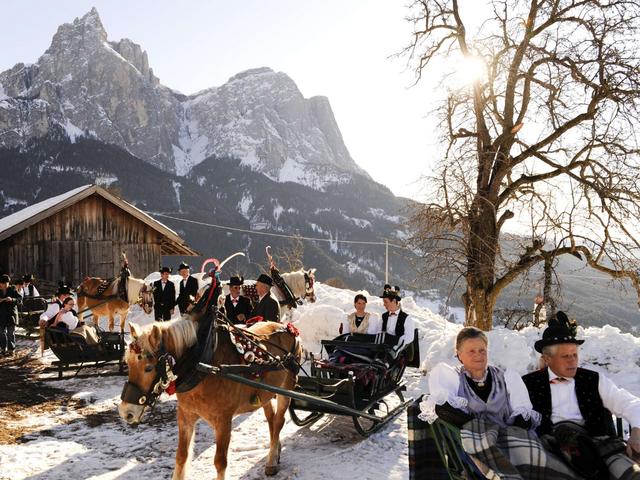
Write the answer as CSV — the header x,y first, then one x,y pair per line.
x,y
85,239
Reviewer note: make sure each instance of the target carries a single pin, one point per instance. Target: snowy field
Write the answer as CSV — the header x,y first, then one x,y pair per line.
x,y
83,438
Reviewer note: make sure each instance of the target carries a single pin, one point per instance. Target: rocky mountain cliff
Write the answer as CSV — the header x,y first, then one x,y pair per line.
x,y
90,86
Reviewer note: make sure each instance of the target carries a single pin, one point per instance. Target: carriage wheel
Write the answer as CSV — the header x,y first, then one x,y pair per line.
x,y
302,421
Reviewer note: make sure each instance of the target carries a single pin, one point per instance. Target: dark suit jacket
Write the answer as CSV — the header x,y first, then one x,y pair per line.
x,y
190,290
243,306
268,308
163,300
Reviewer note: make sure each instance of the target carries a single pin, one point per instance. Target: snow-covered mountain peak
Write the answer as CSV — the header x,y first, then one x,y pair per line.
x,y
85,84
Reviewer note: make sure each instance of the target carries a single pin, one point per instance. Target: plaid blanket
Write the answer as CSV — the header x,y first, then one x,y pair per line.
x,y
511,452
424,459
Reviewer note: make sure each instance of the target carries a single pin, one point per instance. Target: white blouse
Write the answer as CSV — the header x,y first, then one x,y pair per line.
x,y
444,384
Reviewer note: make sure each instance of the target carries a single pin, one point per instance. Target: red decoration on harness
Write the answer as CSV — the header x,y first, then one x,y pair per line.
x,y
171,389
291,328
253,320
135,347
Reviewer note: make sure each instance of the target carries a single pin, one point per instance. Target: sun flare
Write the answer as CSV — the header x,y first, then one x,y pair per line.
x,y
468,70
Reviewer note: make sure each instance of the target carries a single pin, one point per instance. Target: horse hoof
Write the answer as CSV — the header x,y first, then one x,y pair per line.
x,y
270,471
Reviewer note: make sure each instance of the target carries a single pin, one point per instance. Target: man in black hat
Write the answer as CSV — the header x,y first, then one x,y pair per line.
x,y
267,306
397,326
30,289
9,300
188,288
565,395
237,307
164,296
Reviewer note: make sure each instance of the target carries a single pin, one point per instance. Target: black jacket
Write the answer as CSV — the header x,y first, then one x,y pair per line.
x,y
190,290
243,306
9,310
268,308
164,299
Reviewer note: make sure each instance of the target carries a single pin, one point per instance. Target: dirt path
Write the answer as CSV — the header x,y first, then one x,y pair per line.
x,y
21,395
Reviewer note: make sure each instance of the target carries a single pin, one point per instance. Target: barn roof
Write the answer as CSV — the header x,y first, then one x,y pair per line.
x,y
172,243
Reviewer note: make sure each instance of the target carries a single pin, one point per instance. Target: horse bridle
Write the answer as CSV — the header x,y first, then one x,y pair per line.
x,y
133,394
145,293
308,286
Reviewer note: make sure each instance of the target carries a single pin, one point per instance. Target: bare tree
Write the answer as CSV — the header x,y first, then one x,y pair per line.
x,y
543,139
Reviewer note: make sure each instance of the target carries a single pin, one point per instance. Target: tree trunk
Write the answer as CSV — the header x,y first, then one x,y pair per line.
x,y
481,258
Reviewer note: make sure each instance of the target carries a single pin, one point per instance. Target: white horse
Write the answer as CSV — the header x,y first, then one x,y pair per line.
x,y
301,283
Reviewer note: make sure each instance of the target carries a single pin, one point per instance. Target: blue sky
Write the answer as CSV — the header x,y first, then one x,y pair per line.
x,y
336,48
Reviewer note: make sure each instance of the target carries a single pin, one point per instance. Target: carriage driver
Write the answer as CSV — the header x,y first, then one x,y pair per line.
x,y
396,324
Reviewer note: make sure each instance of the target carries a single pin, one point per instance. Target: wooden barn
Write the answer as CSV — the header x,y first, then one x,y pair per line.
x,y
82,233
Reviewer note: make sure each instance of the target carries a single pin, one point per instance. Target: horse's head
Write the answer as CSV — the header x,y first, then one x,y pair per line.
x,y
309,280
149,372
146,298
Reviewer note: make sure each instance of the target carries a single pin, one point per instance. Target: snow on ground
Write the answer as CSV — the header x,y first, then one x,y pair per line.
x,y
92,443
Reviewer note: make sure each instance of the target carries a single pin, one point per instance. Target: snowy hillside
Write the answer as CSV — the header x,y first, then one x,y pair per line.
x,y
83,438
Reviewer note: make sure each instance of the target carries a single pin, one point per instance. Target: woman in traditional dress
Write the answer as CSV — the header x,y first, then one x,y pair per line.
x,y
492,407
360,321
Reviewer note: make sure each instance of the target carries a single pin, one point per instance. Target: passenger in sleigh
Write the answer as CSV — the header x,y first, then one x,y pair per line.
x,y
53,308
576,406
397,327
356,325
65,319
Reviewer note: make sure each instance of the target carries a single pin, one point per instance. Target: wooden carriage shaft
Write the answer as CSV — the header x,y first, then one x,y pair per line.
x,y
203,367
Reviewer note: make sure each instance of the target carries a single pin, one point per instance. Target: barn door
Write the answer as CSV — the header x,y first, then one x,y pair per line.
x,y
101,260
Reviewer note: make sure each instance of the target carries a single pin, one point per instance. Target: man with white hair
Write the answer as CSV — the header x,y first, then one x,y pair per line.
x,y
576,406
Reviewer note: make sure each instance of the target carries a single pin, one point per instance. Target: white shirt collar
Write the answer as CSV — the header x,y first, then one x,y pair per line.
x,y
553,376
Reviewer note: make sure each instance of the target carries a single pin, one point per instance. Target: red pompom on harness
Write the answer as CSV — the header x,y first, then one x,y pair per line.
x,y
291,328
171,389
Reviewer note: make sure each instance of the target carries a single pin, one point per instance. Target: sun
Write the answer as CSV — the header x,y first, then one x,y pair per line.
x,y
468,70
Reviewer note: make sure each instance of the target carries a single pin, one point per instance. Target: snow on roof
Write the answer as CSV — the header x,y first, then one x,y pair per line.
x,y
24,218
26,213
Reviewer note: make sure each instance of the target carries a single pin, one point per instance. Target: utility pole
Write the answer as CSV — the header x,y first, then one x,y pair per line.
x,y
386,260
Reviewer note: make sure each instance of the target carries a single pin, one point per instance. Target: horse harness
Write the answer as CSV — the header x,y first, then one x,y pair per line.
x,y
258,360
133,394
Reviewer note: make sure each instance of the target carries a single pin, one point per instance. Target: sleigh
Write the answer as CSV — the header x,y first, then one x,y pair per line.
x,y
359,389
74,353
29,312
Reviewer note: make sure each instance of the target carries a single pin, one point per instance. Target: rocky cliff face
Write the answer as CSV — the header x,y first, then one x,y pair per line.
x,y
88,86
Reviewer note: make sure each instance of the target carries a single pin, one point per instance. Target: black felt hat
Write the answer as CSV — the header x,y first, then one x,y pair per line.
x,y
560,330
392,293
236,280
182,266
166,269
29,277
63,289
264,278
4,278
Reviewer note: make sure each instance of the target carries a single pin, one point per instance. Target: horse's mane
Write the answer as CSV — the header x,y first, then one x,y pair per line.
x,y
182,333
296,282
134,285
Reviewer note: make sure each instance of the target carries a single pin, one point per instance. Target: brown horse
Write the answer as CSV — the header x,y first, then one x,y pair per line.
x,y
215,399
107,302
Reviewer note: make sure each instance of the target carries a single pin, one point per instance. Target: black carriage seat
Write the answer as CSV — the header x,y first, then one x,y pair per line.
x,y
71,348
